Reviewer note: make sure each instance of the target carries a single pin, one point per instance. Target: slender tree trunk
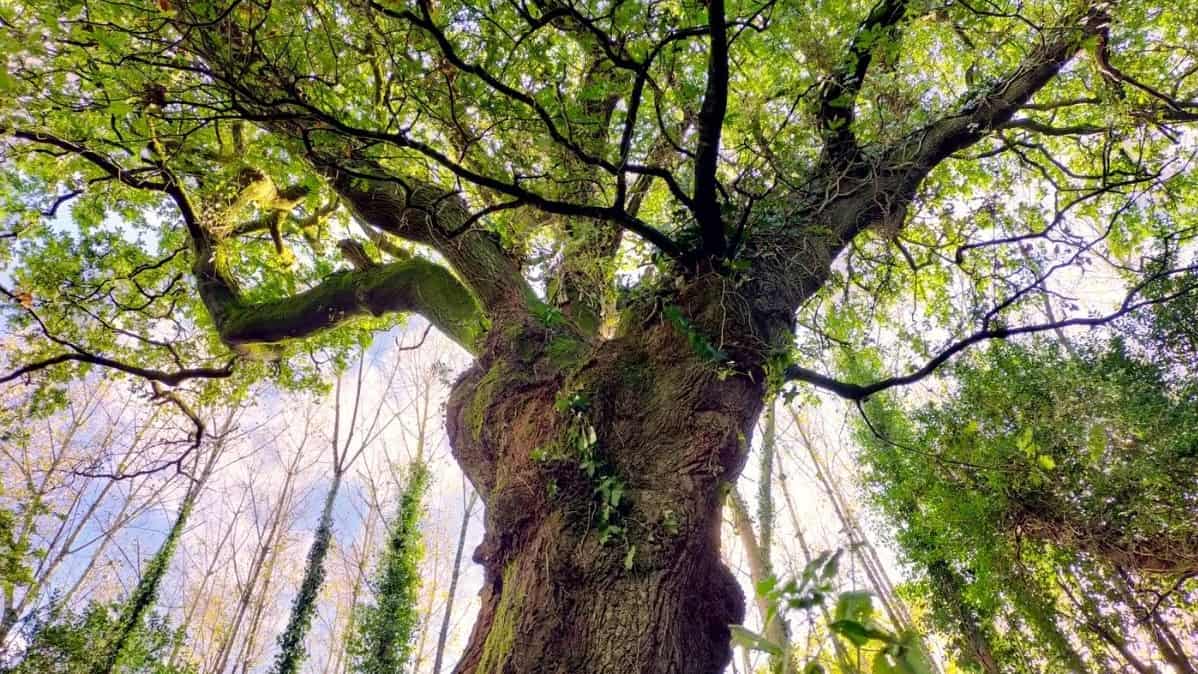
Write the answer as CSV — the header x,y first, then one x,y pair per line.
x,y
842,657
33,502
603,519
355,594
272,546
106,539
201,595
247,656
1040,614
757,546
145,593
423,625
455,573
291,643
1166,642
974,642
256,566
760,569
860,544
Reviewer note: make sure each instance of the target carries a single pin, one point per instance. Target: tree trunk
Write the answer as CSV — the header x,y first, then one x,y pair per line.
x,y
292,650
603,467
858,542
773,620
455,573
1166,642
973,640
259,562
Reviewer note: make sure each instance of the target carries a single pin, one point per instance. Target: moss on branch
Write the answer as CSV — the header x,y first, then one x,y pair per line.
x,y
415,285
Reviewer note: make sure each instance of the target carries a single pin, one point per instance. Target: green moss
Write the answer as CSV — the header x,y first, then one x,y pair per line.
x,y
484,393
408,285
564,351
502,635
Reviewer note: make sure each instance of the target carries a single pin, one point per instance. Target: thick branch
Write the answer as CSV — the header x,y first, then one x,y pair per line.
x,y
430,215
710,123
414,284
900,169
409,285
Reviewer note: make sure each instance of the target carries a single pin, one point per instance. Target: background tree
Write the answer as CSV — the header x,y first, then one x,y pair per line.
x,y
385,626
640,219
1055,528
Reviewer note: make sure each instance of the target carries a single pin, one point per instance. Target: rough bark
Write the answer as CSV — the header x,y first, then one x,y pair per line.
x,y
669,428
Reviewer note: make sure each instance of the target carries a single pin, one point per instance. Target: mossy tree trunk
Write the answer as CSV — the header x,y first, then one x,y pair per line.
x,y
602,465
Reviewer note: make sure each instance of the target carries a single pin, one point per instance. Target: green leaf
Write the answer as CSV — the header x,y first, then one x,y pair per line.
x,y
1096,443
859,634
855,606
1025,442
753,641
885,663
832,567
765,586
7,83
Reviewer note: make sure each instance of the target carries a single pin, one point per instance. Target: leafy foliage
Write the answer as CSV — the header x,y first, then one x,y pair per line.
x,y
1048,473
292,651
207,195
852,619
14,568
61,641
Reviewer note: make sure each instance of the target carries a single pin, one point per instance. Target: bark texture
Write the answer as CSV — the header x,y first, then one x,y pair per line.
x,y
671,430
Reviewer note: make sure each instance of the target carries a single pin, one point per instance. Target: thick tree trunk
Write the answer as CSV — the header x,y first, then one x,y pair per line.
x,y
547,426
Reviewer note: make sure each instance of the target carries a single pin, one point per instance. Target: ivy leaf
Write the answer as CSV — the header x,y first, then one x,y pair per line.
x,y
1096,443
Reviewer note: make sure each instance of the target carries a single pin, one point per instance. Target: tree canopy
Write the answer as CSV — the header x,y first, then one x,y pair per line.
x,y
562,155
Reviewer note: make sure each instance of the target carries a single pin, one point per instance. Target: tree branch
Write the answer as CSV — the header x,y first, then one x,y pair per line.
x,y
169,378
710,124
414,284
863,391
838,93
901,168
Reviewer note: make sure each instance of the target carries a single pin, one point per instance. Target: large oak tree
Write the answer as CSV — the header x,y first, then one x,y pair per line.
x,y
641,218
